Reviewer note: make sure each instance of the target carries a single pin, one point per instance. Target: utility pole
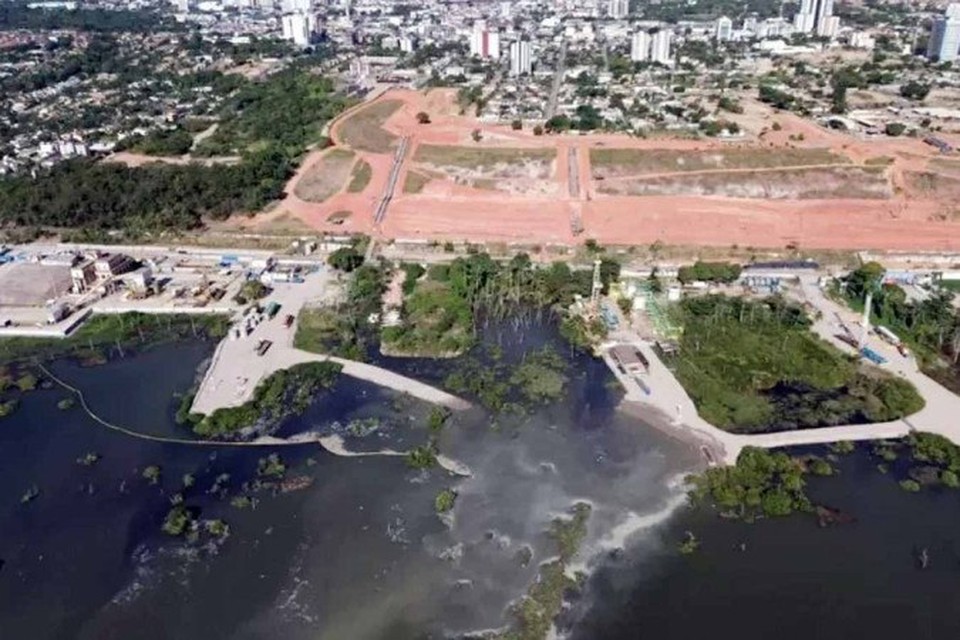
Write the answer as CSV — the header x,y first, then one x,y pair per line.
x,y
597,285
866,320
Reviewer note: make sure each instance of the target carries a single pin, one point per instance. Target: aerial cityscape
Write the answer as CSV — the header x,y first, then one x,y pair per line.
x,y
587,319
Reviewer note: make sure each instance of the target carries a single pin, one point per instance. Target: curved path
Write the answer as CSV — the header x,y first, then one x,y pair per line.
x,y
236,369
666,394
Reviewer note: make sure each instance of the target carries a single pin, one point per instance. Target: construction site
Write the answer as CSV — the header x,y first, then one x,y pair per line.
x,y
409,168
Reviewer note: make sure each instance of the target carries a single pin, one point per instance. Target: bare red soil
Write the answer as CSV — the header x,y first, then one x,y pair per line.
x,y
911,219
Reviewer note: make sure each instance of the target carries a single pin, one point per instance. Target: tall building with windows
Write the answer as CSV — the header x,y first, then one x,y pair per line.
x,y
816,16
724,28
640,46
618,9
484,43
660,47
521,58
298,27
944,42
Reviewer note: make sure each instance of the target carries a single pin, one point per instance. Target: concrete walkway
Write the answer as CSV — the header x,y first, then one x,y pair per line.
x,y
940,415
236,369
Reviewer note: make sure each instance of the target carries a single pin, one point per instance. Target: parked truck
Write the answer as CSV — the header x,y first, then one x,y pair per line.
x,y
272,309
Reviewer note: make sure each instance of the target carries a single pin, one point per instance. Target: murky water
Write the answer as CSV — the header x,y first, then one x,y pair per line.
x,y
360,553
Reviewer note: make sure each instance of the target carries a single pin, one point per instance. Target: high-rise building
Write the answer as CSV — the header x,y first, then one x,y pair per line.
x,y
724,28
521,58
183,6
298,27
483,42
816,16
660,47
640,46
944,42
953,10
618,9
296,6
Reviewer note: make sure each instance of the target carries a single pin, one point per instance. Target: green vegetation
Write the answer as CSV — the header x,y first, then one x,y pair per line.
x,y
540,376
345,259
269,123
438,418
241,502
910,485
325,177
152,474
343,330
26,382
435,322
188,480
250,291
8,407
445,501
412,272
481,158
217,528
930,327
534,614
689,544
895,129
65,404
437,317
914,90
108,331
755,366
164,142
271,467
360,177
363,130
423,457
415,182
287,110
638,161
285,392
178,520
724,272
761,483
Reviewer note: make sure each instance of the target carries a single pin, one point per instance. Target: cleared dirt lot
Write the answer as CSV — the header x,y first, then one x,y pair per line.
x,y
28,285
797,184
326,176
363,129
511,170
619,162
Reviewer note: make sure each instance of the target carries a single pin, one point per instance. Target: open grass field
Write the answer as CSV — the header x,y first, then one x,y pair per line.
x,y
620,162
415,182
483,159
363,130
326,177
794,184
360,177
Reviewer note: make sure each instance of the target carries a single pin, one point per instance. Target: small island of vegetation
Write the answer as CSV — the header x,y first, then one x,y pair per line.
x,y
754,365
285,392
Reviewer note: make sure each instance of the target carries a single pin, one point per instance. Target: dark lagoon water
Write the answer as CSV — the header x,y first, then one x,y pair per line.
x,y
360,553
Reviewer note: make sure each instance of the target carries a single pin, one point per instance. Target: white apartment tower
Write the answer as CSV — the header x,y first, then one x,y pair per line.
x,y
483,42
724,29
816,16
298,27
618,9
640,46
944,40
660,47
521,58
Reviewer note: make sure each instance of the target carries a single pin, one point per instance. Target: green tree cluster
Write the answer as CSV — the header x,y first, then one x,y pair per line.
x,y
755,366
761,483
285,392
720,272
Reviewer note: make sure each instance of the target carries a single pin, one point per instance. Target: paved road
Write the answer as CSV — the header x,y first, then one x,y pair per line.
x,y
236,368
391,185
557,81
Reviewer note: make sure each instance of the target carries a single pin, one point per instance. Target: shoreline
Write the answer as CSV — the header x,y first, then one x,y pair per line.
x,y
710,452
